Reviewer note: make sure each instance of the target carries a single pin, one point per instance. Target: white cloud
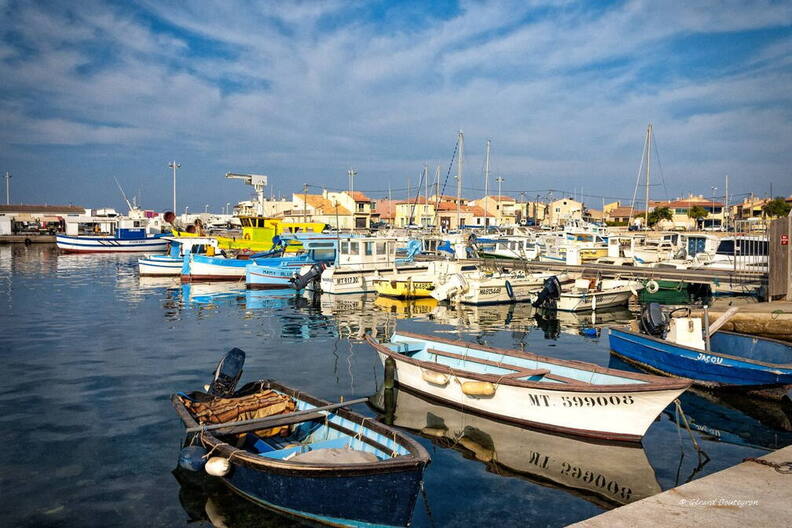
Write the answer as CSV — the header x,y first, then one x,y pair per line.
x,y
305,103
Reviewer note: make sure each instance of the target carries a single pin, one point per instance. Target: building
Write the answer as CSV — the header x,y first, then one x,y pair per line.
x,y
384,211
618,215
16,218
344,210
681,206
562,210
504,209
418,212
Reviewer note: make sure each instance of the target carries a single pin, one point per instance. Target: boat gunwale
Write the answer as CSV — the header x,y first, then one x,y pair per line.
x,y
653,383
417,457
627,330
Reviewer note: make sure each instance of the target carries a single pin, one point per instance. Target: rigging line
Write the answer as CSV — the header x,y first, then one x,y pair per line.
x,y
660,164
638,179
417,194
448,172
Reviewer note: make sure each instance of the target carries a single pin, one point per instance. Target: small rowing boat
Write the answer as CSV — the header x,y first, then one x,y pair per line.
x,y
560,395
299,455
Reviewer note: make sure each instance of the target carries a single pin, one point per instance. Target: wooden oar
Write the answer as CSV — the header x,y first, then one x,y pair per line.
x,y
274,420
720,321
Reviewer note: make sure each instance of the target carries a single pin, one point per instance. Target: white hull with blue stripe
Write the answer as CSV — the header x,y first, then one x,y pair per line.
x,y
160,266
109,244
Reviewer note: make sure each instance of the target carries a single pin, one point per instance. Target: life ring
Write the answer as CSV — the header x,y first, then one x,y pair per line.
x,y
509,290
652,286
246,236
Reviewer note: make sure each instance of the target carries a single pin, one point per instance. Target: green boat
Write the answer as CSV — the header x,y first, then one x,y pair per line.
x,y
673,292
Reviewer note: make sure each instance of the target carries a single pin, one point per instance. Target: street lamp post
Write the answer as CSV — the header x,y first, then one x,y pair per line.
x,y
712,203
8,187
173,165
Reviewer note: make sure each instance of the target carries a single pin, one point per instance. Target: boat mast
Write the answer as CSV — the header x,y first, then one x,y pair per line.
x,y
486,178
648,163
459,178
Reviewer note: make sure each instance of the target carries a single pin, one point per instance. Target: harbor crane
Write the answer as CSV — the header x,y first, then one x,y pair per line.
x,y
258,181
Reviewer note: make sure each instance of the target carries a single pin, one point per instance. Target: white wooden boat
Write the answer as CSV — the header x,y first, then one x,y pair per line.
x,y
583,294
564,396
491,288
170,265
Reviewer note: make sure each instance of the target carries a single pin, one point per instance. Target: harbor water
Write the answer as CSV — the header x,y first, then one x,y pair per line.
x,y
91,354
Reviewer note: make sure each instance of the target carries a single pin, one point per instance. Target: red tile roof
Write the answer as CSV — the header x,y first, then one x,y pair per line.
x,y
358,196
50,209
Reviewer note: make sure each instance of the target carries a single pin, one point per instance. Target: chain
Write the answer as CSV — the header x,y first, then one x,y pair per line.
x,y
783,467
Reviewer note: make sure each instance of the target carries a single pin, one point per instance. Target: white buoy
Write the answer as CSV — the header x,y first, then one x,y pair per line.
x,y
218,466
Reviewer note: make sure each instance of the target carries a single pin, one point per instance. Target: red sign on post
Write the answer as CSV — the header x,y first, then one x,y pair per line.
x,y
784,240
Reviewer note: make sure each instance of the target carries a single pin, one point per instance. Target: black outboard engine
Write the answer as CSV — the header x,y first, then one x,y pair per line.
x,y
299,282
227,373
550,293
653,320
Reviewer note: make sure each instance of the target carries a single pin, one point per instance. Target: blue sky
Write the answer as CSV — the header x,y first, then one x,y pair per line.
x,y
301,91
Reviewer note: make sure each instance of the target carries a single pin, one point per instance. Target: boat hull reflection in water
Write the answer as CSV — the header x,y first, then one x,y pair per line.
x,y
607,475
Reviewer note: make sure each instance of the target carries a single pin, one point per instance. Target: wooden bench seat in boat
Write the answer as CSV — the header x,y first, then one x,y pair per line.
x,y
519,372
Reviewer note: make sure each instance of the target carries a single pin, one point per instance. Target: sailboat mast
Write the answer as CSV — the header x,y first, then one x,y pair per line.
x,y
486,170
459,178
648,163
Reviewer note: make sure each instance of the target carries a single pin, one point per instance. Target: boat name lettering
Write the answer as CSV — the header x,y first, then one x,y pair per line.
x,y
596,401
490,291
597,479
347,280
709,359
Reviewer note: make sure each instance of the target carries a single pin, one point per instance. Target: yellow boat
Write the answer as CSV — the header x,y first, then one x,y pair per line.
x,y
258,232
407,287
403,309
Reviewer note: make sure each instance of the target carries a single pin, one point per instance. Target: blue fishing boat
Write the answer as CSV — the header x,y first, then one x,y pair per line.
x,y
171,264
279,273
217,267
299,455
676,346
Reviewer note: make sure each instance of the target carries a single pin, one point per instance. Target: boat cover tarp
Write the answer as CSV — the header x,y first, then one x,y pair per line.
x,y
257,405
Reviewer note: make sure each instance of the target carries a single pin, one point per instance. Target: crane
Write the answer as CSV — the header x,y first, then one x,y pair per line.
x,y
258,181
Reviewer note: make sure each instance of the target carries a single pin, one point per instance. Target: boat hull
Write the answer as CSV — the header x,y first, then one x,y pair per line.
x,y
573,302
709,369
203,268
79,244
344,280
160,266
271,277
622,412
380,499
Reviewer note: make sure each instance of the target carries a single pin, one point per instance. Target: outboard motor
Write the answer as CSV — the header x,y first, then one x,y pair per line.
x,y
550,293
227,373
299,282
653,320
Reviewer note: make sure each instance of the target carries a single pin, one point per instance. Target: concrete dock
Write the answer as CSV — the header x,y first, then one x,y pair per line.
x,y
748,494
767,319
20,239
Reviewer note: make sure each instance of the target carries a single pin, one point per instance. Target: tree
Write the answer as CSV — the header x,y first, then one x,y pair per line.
x,y
660,213
697,213
776,207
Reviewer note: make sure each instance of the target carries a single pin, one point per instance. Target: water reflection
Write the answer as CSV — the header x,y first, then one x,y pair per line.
x,y
605,474
731,416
